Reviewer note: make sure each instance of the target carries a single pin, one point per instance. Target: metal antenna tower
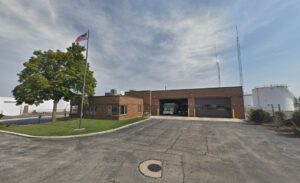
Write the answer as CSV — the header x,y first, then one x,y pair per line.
x,y
239,56
218,65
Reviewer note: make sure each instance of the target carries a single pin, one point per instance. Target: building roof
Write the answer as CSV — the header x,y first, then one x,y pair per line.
x,y
184,89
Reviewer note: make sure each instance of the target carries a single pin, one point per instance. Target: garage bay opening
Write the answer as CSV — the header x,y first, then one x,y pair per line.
x,y
174,107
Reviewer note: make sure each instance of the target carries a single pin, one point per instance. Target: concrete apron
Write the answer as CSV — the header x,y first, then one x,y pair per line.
x,y
198,118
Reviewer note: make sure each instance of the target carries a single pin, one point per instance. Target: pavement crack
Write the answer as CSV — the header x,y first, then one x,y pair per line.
x,y
206,143
182,168
171,147
112,176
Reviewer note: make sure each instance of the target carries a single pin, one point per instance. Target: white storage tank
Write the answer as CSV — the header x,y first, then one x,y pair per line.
x,y
279,97
248,100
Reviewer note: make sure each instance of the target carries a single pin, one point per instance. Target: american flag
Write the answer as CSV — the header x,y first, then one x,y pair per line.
x,y
82,37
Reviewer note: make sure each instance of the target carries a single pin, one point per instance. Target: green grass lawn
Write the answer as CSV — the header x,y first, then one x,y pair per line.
x,y
62,128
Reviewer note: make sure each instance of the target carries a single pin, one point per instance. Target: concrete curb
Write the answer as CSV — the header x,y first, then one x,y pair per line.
x,y
200,119
73,136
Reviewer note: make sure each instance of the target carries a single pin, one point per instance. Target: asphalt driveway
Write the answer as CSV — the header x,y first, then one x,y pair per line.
x,y
191,151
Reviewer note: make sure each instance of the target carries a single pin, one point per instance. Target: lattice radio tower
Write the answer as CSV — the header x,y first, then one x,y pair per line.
x,y
218,65
239,57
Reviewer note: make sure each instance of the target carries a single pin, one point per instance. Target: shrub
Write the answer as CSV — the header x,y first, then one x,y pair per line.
x,y
296,117
279,117
259,116
1,115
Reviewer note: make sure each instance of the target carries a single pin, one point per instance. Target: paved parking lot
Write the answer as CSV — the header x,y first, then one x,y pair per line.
x,y
191,151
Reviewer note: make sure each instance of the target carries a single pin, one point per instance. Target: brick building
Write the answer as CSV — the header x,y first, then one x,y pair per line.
x,y
110,107
225,102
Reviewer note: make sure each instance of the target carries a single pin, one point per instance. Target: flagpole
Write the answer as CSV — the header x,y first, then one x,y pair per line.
x,y
84,77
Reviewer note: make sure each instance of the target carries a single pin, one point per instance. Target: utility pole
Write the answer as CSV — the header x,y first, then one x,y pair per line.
x,y
239,57
218,65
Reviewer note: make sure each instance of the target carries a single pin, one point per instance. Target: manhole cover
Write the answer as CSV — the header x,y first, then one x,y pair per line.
x,y
151,168
154,168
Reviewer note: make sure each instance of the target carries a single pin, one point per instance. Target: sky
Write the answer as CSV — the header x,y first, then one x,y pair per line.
x,y
147,45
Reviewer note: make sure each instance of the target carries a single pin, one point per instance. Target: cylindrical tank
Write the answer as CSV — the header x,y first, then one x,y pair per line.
x,y
277,97
248,100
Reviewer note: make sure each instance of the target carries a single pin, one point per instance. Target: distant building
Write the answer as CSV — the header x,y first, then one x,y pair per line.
x,y
8,107
274,97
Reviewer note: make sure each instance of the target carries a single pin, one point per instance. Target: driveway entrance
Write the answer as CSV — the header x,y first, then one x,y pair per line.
x,y
189,152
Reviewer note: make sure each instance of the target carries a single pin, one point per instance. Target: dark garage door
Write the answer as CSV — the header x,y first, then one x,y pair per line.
x,y
213,107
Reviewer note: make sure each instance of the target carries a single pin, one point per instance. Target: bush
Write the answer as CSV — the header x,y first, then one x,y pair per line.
x,y
280,118
259,116
1,115
296,117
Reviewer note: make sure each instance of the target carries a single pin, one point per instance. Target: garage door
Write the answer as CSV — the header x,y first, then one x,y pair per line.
x,y
213,107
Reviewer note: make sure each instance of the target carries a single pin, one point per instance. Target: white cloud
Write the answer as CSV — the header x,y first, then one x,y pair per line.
x,y
131,47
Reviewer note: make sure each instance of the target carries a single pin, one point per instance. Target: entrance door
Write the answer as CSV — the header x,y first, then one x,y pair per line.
x,y
213,107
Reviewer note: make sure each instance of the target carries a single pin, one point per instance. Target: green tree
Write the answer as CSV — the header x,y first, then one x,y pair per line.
x,y
54,75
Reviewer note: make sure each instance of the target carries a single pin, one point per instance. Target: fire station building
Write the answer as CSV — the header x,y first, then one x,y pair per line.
x,y
223,102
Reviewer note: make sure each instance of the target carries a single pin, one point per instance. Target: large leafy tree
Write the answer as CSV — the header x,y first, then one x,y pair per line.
x,y
54,75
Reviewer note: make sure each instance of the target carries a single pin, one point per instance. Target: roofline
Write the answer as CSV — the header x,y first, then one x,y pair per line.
x,y
185,89
117,96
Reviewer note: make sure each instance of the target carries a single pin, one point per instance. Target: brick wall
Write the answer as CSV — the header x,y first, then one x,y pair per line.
x,y
234,93
102,103
145,95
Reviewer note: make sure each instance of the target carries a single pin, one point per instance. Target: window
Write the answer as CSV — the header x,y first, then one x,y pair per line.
x,y
116,110
123,109
74,109
91,109
219,107
109,110
139,108
95,109
113,109
87,110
